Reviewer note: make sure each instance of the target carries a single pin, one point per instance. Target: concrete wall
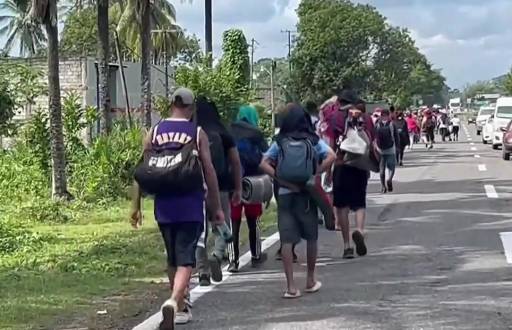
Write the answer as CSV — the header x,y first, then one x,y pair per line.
x,y
79,75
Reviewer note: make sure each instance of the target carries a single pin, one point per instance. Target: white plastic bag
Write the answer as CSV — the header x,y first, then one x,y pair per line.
x,y
354,143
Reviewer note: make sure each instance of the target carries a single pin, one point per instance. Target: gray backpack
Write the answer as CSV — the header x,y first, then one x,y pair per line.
x,y
297,160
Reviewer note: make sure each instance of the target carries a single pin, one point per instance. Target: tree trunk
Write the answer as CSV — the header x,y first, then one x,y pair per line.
x,y
104,69
145,33
59,184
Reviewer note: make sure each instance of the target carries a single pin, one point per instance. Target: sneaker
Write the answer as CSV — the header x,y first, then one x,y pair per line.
x,y
390,186
257,261
168,315
183,317
233,267
358,239
215,268
384,190
348,253
401,163
204,280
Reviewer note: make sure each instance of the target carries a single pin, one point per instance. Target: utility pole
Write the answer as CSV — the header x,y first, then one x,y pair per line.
x,y
208,27
252,45
166,59
289,33
272,101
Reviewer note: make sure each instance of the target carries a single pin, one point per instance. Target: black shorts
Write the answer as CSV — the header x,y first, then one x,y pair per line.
x,y
181,242
349,187
297,218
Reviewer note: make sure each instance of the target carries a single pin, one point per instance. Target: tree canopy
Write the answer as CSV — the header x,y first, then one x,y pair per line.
x,y
342,44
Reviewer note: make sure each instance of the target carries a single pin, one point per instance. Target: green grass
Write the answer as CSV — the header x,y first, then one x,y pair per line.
x,y
96,257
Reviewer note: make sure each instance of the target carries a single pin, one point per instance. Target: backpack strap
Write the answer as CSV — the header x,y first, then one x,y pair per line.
x,y
392,129
198,135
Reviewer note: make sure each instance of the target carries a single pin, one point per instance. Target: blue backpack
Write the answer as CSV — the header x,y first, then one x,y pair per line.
x,y
250,156
297,160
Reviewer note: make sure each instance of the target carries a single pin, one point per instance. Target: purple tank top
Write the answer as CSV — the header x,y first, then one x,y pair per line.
x,y
177,207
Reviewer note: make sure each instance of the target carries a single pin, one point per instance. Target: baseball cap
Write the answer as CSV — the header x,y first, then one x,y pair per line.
x,y
183,95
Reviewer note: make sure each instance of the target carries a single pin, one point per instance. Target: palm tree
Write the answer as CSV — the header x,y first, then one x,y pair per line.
x,y
136,20
104,68
45,12
20,30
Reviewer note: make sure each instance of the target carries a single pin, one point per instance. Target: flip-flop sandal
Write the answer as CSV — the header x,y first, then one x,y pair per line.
x,y
315,288
288,295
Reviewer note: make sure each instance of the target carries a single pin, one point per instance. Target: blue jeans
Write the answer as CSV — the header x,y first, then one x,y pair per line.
x,y
387,161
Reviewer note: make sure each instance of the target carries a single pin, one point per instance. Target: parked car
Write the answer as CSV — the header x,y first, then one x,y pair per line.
x,y
507,141
502,116
481,118
472,119
488,130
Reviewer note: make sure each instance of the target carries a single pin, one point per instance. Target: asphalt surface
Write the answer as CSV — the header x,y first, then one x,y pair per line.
x,y
435,257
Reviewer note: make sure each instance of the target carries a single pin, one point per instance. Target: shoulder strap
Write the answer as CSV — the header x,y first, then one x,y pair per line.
x,y
198,136
392,129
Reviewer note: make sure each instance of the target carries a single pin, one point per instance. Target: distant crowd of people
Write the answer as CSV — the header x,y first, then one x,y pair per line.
x,y
195,167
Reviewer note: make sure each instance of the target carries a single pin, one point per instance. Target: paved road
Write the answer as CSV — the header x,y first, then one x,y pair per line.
x,y
435,257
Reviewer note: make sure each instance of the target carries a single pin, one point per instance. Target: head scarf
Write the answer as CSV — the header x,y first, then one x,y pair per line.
x,y
296,123
208,117
249,114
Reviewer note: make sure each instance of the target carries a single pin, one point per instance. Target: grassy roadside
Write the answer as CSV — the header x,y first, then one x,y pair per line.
x,y
95,262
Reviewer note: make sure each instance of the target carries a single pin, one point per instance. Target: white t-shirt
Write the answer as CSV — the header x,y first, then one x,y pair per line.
x,y
456,122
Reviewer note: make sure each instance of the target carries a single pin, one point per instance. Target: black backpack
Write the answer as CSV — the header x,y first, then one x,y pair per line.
x,y
385,135
218,153
165,171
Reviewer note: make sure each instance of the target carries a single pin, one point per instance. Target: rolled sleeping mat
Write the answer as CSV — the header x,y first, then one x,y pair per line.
x,y
322,200
257,189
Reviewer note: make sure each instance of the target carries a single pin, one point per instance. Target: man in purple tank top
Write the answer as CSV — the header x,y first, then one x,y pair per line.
x,y
180,216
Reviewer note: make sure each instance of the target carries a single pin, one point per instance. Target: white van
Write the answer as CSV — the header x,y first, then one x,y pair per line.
x,y
483,115
502,116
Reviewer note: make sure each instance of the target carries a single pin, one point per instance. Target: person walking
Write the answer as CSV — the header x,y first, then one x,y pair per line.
x,y
251,145
349,183
227,166
179,206
456,127
428,126
403,133
413,129
387,142
297,143
443,123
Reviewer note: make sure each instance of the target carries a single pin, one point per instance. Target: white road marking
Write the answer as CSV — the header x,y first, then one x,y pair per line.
x,y
490,191
470,139
154,320
472,144
506,240
473,149
477,156
482,168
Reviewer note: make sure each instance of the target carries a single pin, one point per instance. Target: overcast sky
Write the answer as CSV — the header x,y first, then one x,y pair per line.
x,y
468,39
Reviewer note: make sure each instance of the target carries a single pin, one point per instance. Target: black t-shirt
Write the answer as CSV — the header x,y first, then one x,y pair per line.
x,y
226,183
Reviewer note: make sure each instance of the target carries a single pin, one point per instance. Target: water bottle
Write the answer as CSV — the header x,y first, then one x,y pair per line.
x,y
225,233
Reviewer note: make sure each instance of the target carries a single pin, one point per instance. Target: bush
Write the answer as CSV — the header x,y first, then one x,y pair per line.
x,y
16,237
107,168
